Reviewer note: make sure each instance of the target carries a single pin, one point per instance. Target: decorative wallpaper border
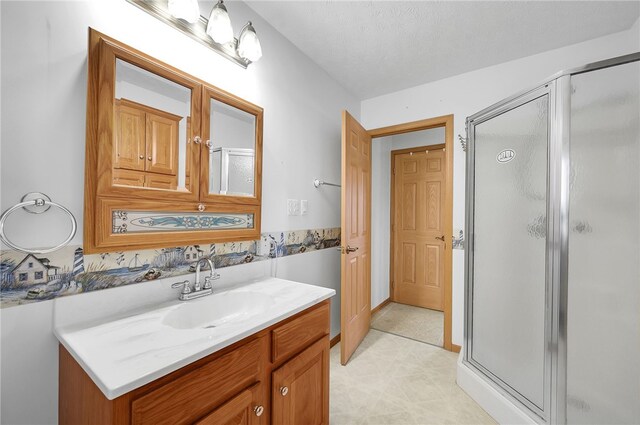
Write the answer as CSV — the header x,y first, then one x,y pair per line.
x,y
458,239
26,278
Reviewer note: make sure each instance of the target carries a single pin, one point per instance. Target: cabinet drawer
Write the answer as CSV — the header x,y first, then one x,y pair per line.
x,y
193,395
299,333
240,410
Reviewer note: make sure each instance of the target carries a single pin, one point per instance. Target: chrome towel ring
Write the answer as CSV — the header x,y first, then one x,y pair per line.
x,y
28,203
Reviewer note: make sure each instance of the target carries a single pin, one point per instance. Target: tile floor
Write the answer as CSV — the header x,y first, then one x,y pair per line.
x,y
396,380
417,323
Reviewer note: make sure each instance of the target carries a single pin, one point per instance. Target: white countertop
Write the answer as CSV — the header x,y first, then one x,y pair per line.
x,y
125,353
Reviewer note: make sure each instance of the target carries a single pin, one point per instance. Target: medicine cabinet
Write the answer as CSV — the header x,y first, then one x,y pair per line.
x,y
170,159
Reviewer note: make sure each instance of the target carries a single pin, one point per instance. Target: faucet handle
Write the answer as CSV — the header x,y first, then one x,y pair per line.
x,y
186,286
207,283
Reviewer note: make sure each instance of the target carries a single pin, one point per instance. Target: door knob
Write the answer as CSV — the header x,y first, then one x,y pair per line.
x,y
258,410
440,238
348,249
284,391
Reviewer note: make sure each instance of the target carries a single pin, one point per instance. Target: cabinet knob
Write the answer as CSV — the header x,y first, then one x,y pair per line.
x,y
197,140
258,410
141,156
201,207
149,158
284,391
208,144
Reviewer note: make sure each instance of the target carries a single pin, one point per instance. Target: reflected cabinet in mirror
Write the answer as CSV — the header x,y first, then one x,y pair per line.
x,y
171,160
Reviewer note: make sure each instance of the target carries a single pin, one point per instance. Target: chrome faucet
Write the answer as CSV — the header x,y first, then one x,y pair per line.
x,y
213,275
199,290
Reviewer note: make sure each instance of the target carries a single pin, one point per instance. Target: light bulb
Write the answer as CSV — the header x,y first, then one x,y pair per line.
x,y
219,26
248,44
185,9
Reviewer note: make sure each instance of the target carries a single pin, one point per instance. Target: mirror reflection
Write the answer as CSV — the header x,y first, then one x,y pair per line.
x,y
152,127
231,150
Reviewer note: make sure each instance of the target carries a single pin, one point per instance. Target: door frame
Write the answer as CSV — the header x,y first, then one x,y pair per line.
x,y
445,121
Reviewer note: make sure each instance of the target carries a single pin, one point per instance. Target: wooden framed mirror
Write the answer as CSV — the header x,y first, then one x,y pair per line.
x,y
170,159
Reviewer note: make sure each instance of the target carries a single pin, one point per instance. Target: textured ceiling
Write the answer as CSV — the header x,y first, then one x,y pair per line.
x,y
377,47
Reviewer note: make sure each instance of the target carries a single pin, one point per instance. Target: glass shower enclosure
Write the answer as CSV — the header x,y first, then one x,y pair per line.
x,y
552,273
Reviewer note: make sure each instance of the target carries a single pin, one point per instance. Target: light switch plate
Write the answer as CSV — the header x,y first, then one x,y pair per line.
x,y
293,207
304,207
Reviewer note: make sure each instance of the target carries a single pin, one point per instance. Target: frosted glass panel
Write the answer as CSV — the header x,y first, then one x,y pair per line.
x,y
508,328
603,330
240,174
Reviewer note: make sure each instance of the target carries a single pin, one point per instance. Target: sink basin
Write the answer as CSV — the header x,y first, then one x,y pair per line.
x,y
218,309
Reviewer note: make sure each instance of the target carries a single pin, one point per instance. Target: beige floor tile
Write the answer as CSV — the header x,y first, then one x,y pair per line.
x,y
412,322
394,380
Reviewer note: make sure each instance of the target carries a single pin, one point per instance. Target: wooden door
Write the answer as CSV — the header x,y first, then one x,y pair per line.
x,y
162,144
300,388
243,409
418,229
129,149
355,287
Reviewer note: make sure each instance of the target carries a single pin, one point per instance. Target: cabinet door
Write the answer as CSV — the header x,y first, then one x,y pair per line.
x,y
162,144
243,409
129,150
300,388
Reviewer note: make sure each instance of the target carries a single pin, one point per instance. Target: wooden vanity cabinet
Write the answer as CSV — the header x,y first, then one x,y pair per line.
x,y
240,384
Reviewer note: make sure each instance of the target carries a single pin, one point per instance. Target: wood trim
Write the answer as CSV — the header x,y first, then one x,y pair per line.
x,y
109,240
380,306
209,92
455,348
126,102
410,126
445,121
334,340
418,148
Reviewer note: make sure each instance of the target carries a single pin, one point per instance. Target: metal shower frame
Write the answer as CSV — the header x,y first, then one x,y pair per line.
x,y
558,88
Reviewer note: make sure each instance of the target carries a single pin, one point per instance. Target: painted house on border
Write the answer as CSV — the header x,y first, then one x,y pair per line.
x,y
32,271
193,253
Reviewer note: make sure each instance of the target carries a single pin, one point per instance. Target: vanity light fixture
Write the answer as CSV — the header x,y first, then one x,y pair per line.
x,y
219,25
248,43
184,9
215,33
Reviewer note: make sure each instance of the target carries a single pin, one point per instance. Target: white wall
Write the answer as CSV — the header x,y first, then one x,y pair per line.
x,y
381,202
43,83
465,94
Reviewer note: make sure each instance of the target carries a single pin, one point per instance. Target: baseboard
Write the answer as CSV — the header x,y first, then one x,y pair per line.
x,y
334,340
455,348
380,306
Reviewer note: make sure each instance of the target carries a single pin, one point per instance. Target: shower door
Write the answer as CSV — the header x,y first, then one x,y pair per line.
x,y
508,320
603,270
